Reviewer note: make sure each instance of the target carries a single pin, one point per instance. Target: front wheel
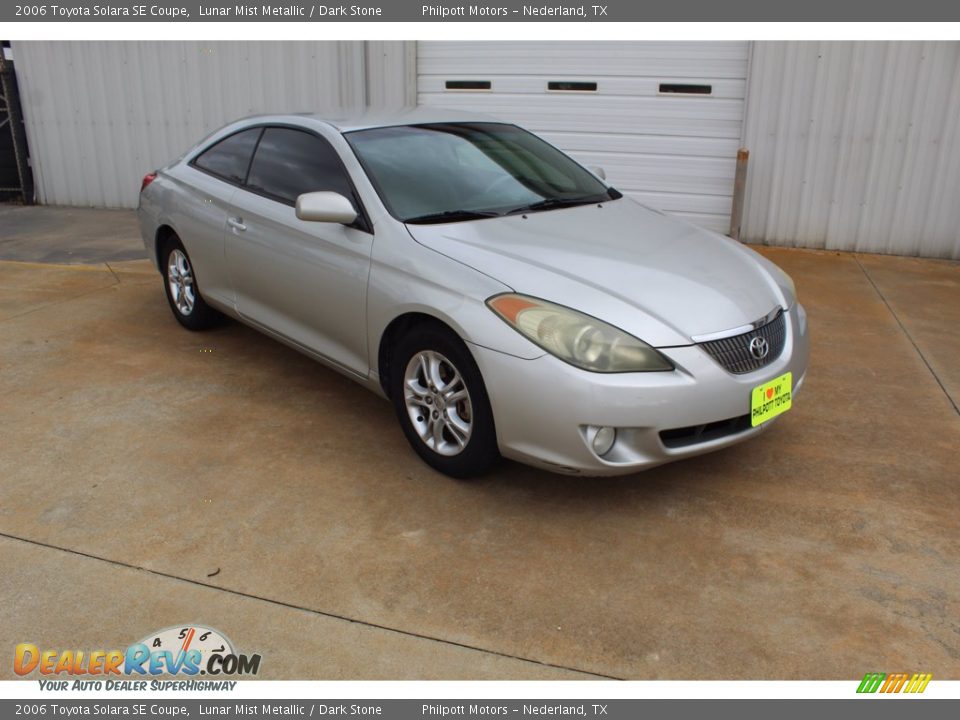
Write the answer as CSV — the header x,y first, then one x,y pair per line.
x,y
441,403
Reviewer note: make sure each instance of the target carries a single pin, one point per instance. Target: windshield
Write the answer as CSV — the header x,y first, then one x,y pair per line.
x,y
463,171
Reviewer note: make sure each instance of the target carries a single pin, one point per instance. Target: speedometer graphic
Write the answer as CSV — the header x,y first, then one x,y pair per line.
x,y
181,639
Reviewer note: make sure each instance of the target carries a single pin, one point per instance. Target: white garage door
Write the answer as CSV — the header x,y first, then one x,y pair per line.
x,y
663,119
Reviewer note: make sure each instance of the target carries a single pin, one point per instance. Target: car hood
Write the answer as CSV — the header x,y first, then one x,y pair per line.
x,y
654,276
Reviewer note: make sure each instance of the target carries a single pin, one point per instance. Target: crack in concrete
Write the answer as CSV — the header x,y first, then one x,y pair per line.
x,y
61,302
112,272
293,606
906,332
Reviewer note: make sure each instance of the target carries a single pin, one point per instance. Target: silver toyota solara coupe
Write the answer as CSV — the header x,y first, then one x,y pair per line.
x,y
505,299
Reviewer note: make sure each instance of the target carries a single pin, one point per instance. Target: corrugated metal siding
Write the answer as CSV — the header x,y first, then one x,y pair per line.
x,y
391,74
101,114
855,146
674,153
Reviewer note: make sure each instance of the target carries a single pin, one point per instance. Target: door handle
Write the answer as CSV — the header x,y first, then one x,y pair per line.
x,y
236,224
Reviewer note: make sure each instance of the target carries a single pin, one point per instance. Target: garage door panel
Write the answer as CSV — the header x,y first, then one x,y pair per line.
x,y
618,143
544,117
650,173
607,86
656,179
589,106
679,202
675,152
611,59
653,67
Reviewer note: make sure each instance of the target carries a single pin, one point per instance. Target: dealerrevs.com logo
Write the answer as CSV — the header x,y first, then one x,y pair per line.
x,y
188,650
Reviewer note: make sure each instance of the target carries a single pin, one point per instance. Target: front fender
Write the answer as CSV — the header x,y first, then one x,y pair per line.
x,y
406,277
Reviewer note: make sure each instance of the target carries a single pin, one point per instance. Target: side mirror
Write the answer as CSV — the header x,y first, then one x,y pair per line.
x,y
329,207
598,171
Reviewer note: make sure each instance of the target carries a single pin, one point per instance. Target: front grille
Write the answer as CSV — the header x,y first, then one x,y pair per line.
x,y
733,353
695,434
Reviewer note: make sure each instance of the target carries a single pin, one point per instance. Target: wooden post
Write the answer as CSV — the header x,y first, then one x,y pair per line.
x,y
739,189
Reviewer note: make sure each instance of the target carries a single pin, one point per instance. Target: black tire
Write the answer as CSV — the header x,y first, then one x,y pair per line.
x,y
479,452
193,316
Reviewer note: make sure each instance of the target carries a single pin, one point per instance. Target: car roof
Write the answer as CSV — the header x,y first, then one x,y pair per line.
x,y
404,116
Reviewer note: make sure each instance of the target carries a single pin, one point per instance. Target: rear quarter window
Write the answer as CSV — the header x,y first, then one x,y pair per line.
x,y
230,158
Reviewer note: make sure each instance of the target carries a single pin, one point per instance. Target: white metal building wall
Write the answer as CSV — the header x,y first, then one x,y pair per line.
x,y
99,115
675,153
855,146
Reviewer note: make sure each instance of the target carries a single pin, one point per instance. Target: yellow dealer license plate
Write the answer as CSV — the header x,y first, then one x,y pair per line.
x,y
771,399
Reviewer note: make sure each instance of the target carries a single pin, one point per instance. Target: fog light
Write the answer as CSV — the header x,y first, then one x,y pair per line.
x,y
603,440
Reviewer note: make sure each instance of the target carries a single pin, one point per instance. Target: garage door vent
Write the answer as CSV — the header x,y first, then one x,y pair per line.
x,y
685,89
572,86
467,85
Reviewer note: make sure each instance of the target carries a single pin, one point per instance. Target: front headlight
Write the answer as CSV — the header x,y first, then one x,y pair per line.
x,y
576,338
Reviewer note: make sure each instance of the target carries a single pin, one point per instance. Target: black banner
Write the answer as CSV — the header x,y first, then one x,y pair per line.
x,y
227,708
495,11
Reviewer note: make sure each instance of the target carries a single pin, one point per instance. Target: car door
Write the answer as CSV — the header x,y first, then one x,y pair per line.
x,y
210,182
306,281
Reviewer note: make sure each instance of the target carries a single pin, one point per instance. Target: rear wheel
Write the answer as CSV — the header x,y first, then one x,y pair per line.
x,y
441,402
183,293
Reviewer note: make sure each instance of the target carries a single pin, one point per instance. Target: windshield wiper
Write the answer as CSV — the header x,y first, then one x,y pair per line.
x,y
451,216
556,202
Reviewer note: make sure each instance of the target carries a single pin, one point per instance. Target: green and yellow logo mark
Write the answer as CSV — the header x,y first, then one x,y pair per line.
x,y
894,682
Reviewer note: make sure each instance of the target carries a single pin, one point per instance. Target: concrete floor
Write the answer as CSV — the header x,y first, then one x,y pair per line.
x,y
68,235
150,476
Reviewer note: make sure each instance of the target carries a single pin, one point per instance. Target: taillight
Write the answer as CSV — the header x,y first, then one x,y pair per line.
x,y
147,179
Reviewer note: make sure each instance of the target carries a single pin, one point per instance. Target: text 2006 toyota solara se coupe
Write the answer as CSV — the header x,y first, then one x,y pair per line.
x,y
505,299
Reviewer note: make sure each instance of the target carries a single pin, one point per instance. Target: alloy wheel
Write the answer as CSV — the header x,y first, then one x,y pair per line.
x,y
180,282
438,403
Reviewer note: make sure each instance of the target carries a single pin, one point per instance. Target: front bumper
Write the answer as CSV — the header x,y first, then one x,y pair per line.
x,y
547,411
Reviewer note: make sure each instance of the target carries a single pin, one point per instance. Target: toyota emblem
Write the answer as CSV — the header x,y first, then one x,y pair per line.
x,y
759,347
